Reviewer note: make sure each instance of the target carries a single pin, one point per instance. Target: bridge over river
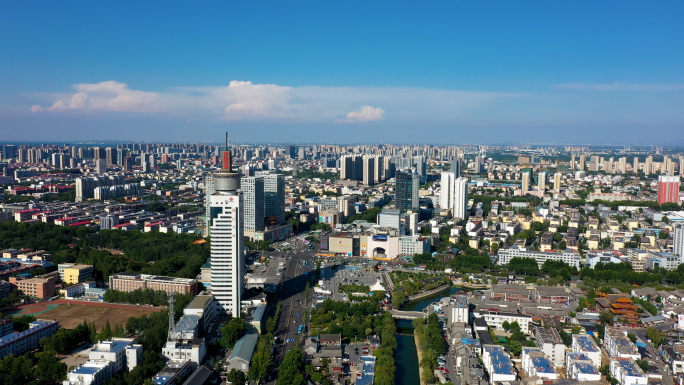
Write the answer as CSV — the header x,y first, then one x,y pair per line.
x,y
410,315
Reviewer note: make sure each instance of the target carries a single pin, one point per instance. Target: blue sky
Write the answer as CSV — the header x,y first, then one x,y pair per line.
x,y
400,72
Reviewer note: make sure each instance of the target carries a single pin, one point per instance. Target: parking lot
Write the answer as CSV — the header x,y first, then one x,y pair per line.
x,y
347,275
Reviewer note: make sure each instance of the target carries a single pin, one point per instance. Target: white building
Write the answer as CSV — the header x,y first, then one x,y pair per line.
x,y
584,344
498,364
542,181
106,359
226,225
122,352
461,198
617,344
90,373
550,343
568,256
18,343
678,247
193,350
446,195
253,191
627,372
459,310
496,319
581,368
536,363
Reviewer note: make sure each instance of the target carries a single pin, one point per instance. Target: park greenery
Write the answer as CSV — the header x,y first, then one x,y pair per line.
x,y
384,356
351,320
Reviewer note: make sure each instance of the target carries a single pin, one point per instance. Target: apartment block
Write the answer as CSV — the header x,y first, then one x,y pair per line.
x,y
132,281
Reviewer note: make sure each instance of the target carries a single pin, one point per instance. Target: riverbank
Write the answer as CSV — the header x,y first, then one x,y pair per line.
x,y
419,351
428,293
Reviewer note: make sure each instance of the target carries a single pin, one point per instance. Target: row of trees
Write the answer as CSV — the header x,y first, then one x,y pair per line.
x,y
430,342
384,356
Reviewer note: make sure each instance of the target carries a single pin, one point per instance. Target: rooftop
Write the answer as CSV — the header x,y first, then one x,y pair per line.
x,y
244,348
501,364
199,302
586,343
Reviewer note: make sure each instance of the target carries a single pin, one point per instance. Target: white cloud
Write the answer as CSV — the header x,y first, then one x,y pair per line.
x,y
246,101
365,114
105,96
619,86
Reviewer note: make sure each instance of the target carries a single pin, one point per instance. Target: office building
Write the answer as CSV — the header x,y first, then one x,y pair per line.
x,y
227,234
668,189
570,257
253,192
406,191
274,197
456,165
9,151
19,343
133,281
128,163
106,359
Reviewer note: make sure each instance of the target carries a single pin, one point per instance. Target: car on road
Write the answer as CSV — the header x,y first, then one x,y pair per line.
x,y
365,350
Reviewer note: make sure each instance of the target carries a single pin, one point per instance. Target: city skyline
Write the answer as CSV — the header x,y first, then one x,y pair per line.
x,y
514,73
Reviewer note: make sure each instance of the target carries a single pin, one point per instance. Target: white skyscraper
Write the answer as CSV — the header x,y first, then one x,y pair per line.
x,y
679,241
446,195
461,198
542,181
227,237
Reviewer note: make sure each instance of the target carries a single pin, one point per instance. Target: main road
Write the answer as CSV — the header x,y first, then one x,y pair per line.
x,y
291,293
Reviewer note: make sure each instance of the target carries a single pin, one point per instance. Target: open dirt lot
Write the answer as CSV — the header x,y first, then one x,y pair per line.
x,y
72,313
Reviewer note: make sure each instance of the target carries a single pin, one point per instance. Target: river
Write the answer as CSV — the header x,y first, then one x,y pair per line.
x,y
405,356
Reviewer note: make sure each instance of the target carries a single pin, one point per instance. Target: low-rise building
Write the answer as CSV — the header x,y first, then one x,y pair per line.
x,y
498,364
192,349
584,344
241,356
93,372
536,363
581,368
496,319
42,288
19,343
203,306
71,273
132,281
174,369
569,256
549,341
627,372
617,344
6,326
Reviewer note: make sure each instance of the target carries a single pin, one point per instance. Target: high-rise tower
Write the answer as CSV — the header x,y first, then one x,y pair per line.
x,y
226,225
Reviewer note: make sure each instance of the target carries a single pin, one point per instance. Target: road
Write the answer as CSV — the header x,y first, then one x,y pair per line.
x,y
292,294
640,333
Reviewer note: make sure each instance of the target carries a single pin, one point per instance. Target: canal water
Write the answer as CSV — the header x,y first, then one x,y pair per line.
x,y
406,356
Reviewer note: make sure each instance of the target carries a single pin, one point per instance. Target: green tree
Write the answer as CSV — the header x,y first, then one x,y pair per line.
x,y
232,332
516,348
49,368
236,377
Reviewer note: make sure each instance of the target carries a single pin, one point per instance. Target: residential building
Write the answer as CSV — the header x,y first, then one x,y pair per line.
x,y
678,244
617,344
19,343
174,369
446,195
541,180
584,344
535,363
668,189
498,364
496,319
627,372
549,341
132,281
460,208
6,326
578,366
